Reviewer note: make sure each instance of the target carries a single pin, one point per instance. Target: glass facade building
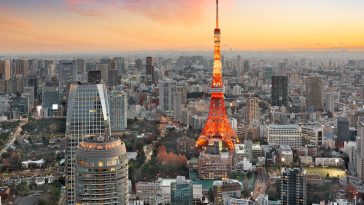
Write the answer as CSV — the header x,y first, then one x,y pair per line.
x,y
87,115
280,91
181,191
101,167
118,104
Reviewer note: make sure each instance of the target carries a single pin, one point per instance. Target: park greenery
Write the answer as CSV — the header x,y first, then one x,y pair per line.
x,y
50,125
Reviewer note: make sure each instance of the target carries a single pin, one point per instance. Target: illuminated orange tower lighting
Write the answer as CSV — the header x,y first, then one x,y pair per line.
x,y
217,126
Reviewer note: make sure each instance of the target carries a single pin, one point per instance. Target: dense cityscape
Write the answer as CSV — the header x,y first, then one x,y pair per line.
x,y
174,127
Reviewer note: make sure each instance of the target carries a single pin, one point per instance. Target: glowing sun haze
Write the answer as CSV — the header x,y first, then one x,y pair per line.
x,y
126,25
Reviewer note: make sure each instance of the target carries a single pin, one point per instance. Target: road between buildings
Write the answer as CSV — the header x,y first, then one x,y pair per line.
x,y
13,138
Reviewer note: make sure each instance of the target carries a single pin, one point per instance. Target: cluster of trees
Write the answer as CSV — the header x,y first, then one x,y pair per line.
x,y
170,158
55,125
14,160
274,190
324,192
51,197
10,125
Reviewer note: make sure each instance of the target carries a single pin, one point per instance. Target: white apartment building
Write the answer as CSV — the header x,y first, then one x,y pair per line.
x,y
334,162
284,135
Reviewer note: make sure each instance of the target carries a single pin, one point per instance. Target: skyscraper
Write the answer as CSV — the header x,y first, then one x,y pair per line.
x,y
5,69
104,160
293,186
181,191
94,76
315,92
87,115
177,106
268,74
342,129
166,90
104,71
252,110
246,66
330,102
238,65
149,70
80,66
360,150
21,68
67,73
280,91
282,70
113,77
118,102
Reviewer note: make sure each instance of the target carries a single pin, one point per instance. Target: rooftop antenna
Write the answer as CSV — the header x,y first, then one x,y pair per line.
x,y
217,13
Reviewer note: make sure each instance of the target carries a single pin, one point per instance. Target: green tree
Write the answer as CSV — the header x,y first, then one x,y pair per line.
x,y
327,175
277,186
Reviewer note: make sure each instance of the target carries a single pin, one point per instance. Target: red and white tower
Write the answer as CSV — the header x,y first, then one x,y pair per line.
x,y
217,126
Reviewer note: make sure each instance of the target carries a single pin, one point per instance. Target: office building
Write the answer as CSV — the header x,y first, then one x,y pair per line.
x,y
177,106
47,64
118,104
50,97
284,135
149,70
181,191
67,73
21,68
252,111
330,102
138,64
166,90
101,167
238,65
34,82
5,69
293,186
280,91
183,91
103,68
246,66
29,92
120,65
94,76
80,66
228,187
315,92
268,74
211,166
342,129
312,135
87,115
4,99
282,69
16,85
113,79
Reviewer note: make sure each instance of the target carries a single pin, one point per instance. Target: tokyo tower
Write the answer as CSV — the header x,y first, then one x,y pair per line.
x,y
217,125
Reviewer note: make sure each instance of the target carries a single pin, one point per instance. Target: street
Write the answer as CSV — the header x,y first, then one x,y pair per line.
x,y
6,146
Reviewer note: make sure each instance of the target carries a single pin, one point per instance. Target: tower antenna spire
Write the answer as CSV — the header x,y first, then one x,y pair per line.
x,y
217,13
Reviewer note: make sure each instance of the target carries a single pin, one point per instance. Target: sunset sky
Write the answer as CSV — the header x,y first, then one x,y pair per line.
x,y
128,25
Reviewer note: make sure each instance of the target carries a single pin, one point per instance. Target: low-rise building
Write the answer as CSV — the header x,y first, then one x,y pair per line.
x,y
334,162
226,187
286,154
306,160
329,142
315,179
214,166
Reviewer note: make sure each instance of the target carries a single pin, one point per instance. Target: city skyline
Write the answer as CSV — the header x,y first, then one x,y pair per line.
x,y
93,25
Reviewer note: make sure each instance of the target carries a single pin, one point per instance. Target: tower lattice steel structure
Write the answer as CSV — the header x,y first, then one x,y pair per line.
x,y
217,126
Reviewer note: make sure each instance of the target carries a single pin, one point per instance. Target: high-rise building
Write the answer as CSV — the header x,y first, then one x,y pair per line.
x,y
280,91
67,73
177,106
15,85
268,74
149,70
293,186
160,62
121,65
166,90
48,63
246,66
138,63
113,78
238,65
21,68
32,67
105,61
252,110
183,91
181,191
315,92
303,62
80,66
101,167
34,82
118,105
5,69
50,96
104,69
360,150
342,129
330,102
282,69
4,99
87,115
29,92
236,90
94,76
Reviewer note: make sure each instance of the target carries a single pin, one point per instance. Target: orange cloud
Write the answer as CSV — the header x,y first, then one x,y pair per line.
x,y
166,12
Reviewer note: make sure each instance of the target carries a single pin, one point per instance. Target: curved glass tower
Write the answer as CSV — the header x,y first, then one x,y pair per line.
x,y
101,168
87,115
